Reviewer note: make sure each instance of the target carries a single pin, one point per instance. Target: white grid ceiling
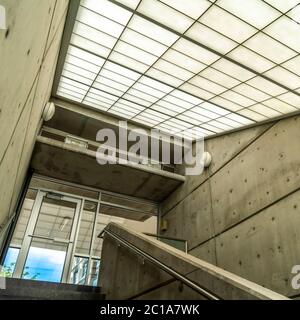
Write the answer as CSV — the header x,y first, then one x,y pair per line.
x,y
187,67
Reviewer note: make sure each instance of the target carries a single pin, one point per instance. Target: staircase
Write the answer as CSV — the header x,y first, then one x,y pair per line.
x,y
20,289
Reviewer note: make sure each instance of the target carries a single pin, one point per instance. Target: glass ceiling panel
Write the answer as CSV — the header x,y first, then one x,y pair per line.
x,y
193,67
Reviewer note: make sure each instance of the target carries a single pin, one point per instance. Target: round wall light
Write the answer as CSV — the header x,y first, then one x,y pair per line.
x,y
49,111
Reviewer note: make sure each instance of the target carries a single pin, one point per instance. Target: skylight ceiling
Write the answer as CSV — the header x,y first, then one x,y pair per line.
x,y
192,67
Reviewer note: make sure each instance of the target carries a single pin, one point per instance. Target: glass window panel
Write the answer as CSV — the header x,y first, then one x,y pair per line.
x,y
9,264
120,113
214,108
142,95
266,86
165,15
94,272
251,92
82,64
155,115
135,53
286,31
293,65
266,111
207,85
94,35
68,96
280,106
269,48
252,115
290,98
250,59
219,77
80,71
101,23
210,38
186,97
189,119
19,232
129,3
226,103
146,120
237,98
205,112
220,125
105,88
149,90
99,99
172,69
96,104
128,62
45,261
284,77
143,42
137,100
124,110
131,104
63,85
170,106
283,6
124,82
227,24
255,12
183,61
166,78
74,83
211,128
295,14
84,238
239,118
164,110
109,84
125,72
192,8
233,70
70,92
152,30
134,108
193,50
79,270
155,84
104,94
108,9
85,56
192,89
89,45
196,116
178,102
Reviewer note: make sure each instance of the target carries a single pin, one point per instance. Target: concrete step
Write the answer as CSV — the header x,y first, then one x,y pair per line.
x,y
21,289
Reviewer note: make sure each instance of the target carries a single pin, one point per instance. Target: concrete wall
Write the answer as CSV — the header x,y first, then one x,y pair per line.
x,y
28,54
126,275
243,213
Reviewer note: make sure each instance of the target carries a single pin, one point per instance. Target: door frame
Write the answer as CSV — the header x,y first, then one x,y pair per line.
x,y
29,234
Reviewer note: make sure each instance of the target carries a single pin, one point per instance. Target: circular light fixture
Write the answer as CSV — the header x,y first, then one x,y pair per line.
x,y
49,111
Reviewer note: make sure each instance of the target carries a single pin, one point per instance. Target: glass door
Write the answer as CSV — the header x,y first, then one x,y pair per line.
x,y
48,243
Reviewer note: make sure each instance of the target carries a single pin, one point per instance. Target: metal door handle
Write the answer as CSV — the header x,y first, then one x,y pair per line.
x,y
52,239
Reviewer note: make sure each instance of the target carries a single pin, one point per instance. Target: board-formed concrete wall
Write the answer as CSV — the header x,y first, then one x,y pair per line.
x,y
243,213
29,49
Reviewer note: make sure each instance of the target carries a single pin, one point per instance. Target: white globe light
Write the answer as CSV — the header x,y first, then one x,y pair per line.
x,y
49,111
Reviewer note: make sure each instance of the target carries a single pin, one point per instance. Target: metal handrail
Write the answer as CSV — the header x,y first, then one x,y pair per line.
x,y
162,266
